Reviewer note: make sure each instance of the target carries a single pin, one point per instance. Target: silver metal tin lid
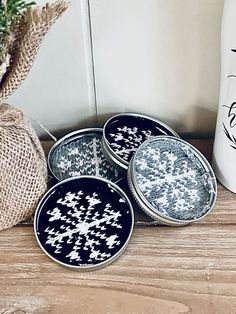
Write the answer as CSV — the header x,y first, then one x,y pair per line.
x,y
79,153
172,181
124,133
84,223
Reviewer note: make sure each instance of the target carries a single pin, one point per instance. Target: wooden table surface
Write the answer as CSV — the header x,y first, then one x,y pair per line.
x,y
188,269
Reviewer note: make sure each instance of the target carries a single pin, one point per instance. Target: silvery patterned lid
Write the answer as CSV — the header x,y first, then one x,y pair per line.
x,y
172,181
79,153
124,133
84,223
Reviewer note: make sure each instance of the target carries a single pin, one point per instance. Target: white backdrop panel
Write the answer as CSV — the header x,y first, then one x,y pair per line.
x,y
159,57
57,89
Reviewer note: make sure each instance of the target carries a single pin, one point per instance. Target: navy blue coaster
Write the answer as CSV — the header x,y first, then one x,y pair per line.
x,y
84,222
124,133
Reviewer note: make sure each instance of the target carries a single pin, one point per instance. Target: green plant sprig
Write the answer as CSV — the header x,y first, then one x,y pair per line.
x,y
10,13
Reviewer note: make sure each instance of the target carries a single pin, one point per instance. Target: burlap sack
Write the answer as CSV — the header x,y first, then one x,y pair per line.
x,y
32,28
23,168
23,171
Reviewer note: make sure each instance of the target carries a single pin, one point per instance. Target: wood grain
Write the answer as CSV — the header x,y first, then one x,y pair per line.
x,y
163,270
190,269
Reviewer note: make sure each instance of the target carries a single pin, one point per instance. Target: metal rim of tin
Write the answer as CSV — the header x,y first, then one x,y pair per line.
x,y
152,211
109,153
87,267
67,137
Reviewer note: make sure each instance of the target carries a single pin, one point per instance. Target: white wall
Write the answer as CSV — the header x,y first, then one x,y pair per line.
x,y
159,57
57,91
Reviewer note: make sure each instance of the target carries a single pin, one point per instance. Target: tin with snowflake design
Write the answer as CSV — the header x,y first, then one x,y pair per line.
x,y
84,223
79,153
172,181
125,132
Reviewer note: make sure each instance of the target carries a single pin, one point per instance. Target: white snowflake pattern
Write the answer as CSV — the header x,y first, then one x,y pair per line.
x,y
171,178
88,231
127,140
112,240
82,157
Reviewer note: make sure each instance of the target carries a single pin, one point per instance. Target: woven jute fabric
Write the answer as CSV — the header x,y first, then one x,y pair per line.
x,y
23,170
23,167
32,28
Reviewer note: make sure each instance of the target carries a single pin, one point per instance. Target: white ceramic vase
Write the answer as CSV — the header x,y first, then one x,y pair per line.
x,y
224,154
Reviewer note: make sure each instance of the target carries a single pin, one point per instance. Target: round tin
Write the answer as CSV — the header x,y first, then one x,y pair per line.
x,y
84,223
79,153
172,181
124,133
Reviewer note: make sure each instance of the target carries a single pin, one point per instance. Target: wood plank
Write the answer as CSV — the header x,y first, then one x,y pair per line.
x,y
163,270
